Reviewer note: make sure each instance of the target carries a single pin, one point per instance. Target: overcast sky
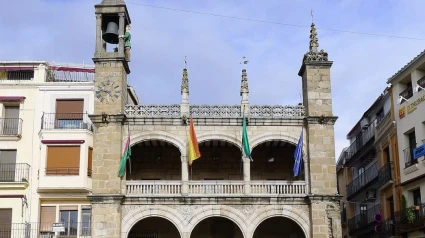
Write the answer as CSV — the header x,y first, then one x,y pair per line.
x,y
64,31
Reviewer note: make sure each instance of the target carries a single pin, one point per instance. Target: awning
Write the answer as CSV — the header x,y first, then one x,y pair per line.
x,y
11,98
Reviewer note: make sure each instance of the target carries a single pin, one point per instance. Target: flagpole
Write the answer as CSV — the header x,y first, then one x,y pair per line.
x,y
241,167
129,158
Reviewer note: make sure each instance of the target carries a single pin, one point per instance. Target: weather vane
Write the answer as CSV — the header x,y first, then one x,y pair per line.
x,y
244,60
312,16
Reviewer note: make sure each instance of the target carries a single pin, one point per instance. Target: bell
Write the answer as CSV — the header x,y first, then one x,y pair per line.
x,y
111,33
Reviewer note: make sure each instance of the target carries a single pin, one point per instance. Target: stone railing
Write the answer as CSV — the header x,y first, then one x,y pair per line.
x,y
152,188
215,111
153,110
216,188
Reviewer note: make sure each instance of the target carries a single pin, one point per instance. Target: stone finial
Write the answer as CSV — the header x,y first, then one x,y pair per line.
x,y
185,83
314,41
244,82
113,2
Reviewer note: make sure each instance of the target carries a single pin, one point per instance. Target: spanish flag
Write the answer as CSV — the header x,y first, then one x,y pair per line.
x,y
193,152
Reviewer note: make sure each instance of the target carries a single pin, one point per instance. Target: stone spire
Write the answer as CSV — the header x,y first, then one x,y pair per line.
x,y
185,83
244,93
314,41
184,105
313,55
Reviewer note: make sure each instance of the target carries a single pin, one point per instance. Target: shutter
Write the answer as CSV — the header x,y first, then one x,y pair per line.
x,y
90,162
63,160
47,218
85,206
69,109
7,156
68,208
5,216
11,112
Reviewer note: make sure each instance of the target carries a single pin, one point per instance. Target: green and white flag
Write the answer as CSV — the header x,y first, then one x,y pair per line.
x,y
246,151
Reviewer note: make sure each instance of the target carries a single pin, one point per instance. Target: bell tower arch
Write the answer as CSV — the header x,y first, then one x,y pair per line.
x,y
111,70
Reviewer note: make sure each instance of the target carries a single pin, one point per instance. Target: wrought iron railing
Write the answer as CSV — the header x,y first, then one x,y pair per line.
x,y
410,219
45,230
70,74
421,83
386,228
10,126
361,140
408,157
407,93
14,172
25,74
66,121
367,177
364,219
384,174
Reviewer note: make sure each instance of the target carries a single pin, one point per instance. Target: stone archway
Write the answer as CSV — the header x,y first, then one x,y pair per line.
x,y
158,135
293,213
132,214
284,136
224,136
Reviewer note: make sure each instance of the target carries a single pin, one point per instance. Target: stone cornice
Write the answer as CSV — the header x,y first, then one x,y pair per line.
x,y
111,57
105,198
324,197
328,120
326,64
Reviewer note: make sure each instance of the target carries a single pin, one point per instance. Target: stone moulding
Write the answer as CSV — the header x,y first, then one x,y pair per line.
x,y
215,111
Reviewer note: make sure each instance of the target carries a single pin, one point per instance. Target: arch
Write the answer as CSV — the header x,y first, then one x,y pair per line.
x,y
224,211
286,211
158,135
216,135
282,135
142,212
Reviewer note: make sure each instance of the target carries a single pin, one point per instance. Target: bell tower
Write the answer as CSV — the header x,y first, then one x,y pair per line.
x,y
111,70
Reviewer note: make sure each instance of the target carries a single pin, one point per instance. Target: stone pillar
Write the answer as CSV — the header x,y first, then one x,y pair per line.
x,y
247,175
121,31
106,212
98,33
185,176
244,94
184,105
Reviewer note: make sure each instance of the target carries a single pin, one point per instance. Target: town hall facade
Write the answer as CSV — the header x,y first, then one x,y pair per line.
x,y
222,194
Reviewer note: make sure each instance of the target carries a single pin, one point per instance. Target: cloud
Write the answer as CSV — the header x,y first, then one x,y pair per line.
x,y
62,30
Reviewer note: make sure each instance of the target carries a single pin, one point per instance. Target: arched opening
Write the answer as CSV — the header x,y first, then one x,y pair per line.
x,y
279,227
154,227
154,160
274,160
220,160
216,227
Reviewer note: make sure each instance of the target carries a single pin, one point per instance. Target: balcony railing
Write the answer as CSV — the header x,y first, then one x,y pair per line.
x,y
10,126
215,188
66,121
366,178
421,83
386,228
364,219
70,73
383,124
408,157
361,140
384,175
407,93
44,230
410,219
24,73
14,172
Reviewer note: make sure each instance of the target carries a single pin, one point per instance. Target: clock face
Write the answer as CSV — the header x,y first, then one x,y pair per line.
x,y
108,91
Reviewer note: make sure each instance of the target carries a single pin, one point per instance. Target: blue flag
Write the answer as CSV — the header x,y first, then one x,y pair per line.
x,y
298,155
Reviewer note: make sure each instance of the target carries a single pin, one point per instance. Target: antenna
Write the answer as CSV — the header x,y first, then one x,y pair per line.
x,y
312,16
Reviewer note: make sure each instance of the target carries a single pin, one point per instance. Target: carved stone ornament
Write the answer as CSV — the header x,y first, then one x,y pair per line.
x,y
244,83
185,210
185,82
320,56
172,110
248,209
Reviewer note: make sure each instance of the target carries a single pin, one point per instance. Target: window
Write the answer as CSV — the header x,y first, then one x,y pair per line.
x,y
47,218
20,75
412,144
90,162
417,197
68,215
86,220
387,158
69,114
5,222
63,160
7,165
10,124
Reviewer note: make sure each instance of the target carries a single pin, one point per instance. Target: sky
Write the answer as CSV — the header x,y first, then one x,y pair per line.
x,y
64,31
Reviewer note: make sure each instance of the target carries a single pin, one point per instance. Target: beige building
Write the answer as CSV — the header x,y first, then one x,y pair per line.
x,y
223,194
409,96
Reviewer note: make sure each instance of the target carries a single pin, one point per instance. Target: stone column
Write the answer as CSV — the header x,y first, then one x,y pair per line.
x,y
247,175
98,33
106,212
121,31
185,176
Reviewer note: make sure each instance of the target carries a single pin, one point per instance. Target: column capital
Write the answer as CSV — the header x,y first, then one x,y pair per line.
x,y
121,14
98,16
183,158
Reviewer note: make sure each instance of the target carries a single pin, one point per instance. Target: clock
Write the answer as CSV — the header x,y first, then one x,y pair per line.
x,y
108,91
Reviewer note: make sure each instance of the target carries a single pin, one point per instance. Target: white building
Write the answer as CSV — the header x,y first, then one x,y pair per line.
x,y
45,146
409,106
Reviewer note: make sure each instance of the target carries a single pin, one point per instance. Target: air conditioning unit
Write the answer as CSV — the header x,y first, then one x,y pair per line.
x,y
371,194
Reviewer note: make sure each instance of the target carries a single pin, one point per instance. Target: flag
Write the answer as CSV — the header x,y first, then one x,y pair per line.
x,y
193,146
246,151
125,156
298,155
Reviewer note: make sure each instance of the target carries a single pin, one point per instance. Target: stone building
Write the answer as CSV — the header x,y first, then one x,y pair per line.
x,y
222,194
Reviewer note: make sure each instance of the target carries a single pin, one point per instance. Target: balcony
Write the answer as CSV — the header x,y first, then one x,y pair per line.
x,y
363,220
407,93
410,219
39,230
70,73
368,177
386,228
384,175
14,175
10,127
408,157
362,143
421,83
218,188
66,121
383,124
